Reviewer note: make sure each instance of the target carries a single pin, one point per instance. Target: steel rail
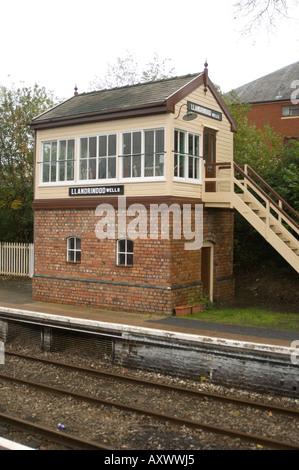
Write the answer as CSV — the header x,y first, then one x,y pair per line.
x,y
67,440
166,387
267,442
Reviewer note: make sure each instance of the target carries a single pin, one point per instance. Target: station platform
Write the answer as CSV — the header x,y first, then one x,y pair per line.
x,y
16,296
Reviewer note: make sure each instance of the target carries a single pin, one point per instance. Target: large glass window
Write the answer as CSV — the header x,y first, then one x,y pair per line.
x,y
142,154
97,156
58,157
187,155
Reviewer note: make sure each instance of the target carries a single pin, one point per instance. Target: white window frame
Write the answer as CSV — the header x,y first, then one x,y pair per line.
x,y
57,182
76,250
293,111
97,159
143,177
187,155
126,252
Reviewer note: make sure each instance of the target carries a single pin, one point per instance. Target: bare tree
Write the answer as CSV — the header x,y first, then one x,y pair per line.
x,y
125,71
261,12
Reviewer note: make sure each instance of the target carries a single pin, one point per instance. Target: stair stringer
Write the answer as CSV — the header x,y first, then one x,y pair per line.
x,y
265,229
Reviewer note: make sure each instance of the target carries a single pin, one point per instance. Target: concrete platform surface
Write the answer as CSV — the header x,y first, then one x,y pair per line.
x,y
16,294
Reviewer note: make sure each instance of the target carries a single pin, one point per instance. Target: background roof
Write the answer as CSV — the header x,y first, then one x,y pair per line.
x,y
273,87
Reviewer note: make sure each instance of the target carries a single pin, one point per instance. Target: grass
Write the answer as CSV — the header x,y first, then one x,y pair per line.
x,y
255,317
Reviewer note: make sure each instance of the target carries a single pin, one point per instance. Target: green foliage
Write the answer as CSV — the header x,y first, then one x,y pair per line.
x,y
17,108
278,165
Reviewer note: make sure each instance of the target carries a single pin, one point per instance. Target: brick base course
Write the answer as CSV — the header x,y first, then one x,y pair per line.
x,y
163,274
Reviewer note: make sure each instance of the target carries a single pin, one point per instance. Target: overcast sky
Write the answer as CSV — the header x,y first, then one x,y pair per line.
x,y
62,42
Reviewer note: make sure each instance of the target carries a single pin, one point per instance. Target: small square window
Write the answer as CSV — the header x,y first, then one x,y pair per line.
x,y
125,250
74,250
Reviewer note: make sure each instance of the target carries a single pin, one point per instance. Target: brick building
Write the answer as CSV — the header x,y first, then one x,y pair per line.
x,y
274,100
134,197
140,144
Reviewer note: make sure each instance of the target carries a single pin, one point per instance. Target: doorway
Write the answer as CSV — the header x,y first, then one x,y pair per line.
x,y
207,270
209,153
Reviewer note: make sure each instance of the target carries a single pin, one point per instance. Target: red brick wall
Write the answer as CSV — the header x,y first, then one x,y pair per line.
x,y
270,113
162,276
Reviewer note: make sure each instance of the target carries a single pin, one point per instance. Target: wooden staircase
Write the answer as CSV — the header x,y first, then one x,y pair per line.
x,y
244,190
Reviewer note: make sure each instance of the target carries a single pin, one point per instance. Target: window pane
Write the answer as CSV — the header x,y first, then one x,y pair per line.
x,y
159,170
176,140
176,160
61,166
129,260
71,150
196,168
70,171
160,141
46,151
92,169
83,170
127,144
71,243
78,243
78,256
92,146
71,256
83,148
122,246
53,171
191,162
149,165
46,172
196,146
112,167
129,246
190,145
62,150
126,167
112,145
122,259
54,152
182,166
136,142
149,142
182,142
102,168
102,146
136,166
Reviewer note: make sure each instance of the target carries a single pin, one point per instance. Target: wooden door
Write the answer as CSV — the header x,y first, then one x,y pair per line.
x,y
209,151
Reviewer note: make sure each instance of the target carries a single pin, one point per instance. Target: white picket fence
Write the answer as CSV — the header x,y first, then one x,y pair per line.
x,y
17,259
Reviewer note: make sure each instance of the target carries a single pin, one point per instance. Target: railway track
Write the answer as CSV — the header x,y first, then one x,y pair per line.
x,y
69,441
178,421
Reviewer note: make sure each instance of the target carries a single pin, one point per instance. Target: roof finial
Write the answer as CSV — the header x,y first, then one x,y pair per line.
x,y
205,76
76,90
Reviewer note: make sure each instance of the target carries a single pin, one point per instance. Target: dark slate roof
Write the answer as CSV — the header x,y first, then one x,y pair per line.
x,y
275,86
123,98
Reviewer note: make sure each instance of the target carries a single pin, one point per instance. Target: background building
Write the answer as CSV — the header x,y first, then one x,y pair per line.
x,y
274,100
